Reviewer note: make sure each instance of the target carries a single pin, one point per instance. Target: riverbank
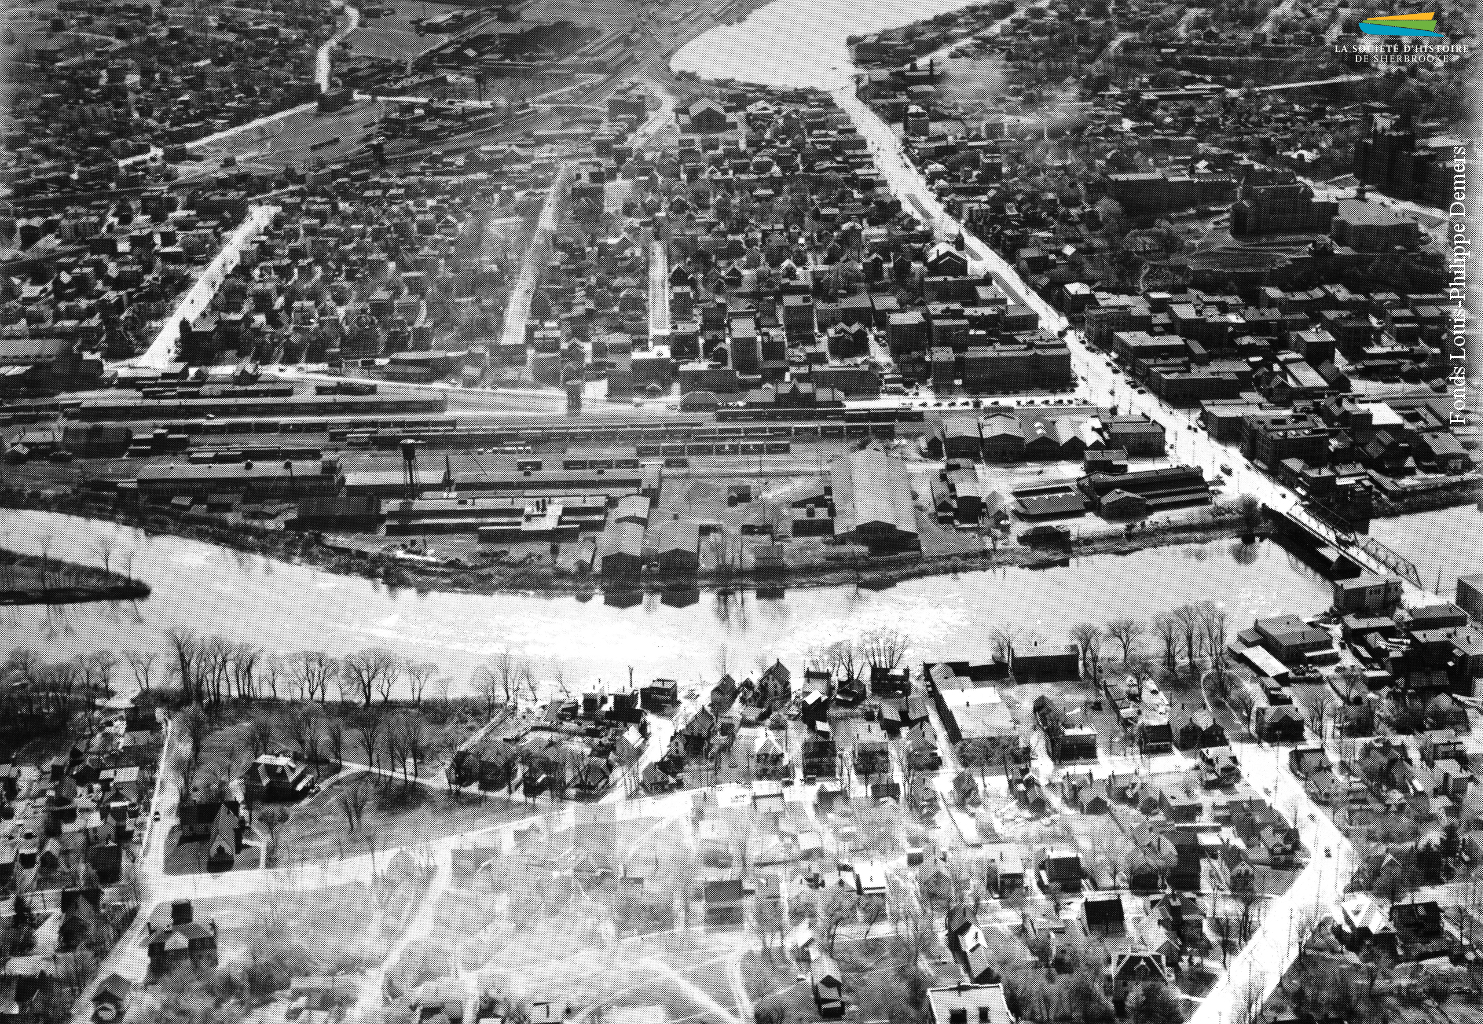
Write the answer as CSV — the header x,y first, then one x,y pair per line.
x,y
285,605
35,579
455,575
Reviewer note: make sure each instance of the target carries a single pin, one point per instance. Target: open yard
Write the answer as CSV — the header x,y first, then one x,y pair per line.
x,y
395,815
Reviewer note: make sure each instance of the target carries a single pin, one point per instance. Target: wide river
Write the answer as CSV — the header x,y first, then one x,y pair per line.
x,y
285,607
798,43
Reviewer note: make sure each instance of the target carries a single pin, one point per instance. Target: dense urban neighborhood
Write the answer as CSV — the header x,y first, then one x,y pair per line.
x,y
536,511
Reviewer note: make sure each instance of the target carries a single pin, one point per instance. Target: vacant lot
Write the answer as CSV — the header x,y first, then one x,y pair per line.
x,y
396,815
393,37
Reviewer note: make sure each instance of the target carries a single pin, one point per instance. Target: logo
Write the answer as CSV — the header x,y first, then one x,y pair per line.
x,y
1423,24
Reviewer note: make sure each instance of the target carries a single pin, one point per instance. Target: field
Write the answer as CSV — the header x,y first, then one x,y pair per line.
x,y
396,816
393,36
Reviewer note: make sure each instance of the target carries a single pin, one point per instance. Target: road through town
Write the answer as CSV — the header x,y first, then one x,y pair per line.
x,y
518,309
1253,974
197,299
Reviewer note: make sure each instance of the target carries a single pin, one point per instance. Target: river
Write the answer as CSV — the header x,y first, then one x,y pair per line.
x,y
1443,545
798,43
285,607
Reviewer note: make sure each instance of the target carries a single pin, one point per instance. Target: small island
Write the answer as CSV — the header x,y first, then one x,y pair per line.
x,y
43,579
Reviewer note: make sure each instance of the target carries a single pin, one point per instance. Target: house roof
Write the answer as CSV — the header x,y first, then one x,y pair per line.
x,y
1362,912
1103,910
980,1002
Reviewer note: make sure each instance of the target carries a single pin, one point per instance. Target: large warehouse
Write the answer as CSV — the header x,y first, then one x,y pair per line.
x,y
873,504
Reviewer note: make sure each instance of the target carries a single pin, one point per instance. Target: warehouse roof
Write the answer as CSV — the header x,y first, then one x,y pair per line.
x,y
871,487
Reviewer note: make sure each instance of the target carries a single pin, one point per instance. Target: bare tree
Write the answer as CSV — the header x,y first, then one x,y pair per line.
x,y
184,766
1252,513
487,685
196,726
98,672
141,664
1087,636
370,726
1215,627
245,657
103,548
313,671
260,734
1166,628
269,821
186,647
844,660
1127,633
389,677
334,731
366,669
271,673
1187,617
302,726
352,800
419,674
839,909
507,670
412,740
1004,638
558,678
1321,710
884,648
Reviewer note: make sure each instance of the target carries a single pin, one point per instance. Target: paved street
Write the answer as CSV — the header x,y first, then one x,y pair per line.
x,y
518,309
197,299
1254,972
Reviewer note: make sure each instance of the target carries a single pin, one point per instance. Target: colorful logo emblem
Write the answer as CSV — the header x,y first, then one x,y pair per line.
x,y
1423,24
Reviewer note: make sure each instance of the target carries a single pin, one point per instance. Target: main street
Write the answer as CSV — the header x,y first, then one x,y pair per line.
x,y
518,309
197,299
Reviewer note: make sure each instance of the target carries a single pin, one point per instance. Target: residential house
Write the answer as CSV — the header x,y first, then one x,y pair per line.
x,y
179,939
1359,921
1177,805
225,840
820,759
1131,970
969,1004
1031,794
965,939
1005,870
1418,927
1103,915
1182,917
827,983
723,901
1219,767
1201,730
1155,735
1061,866
1079,790
277,777
111,998
1304,761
